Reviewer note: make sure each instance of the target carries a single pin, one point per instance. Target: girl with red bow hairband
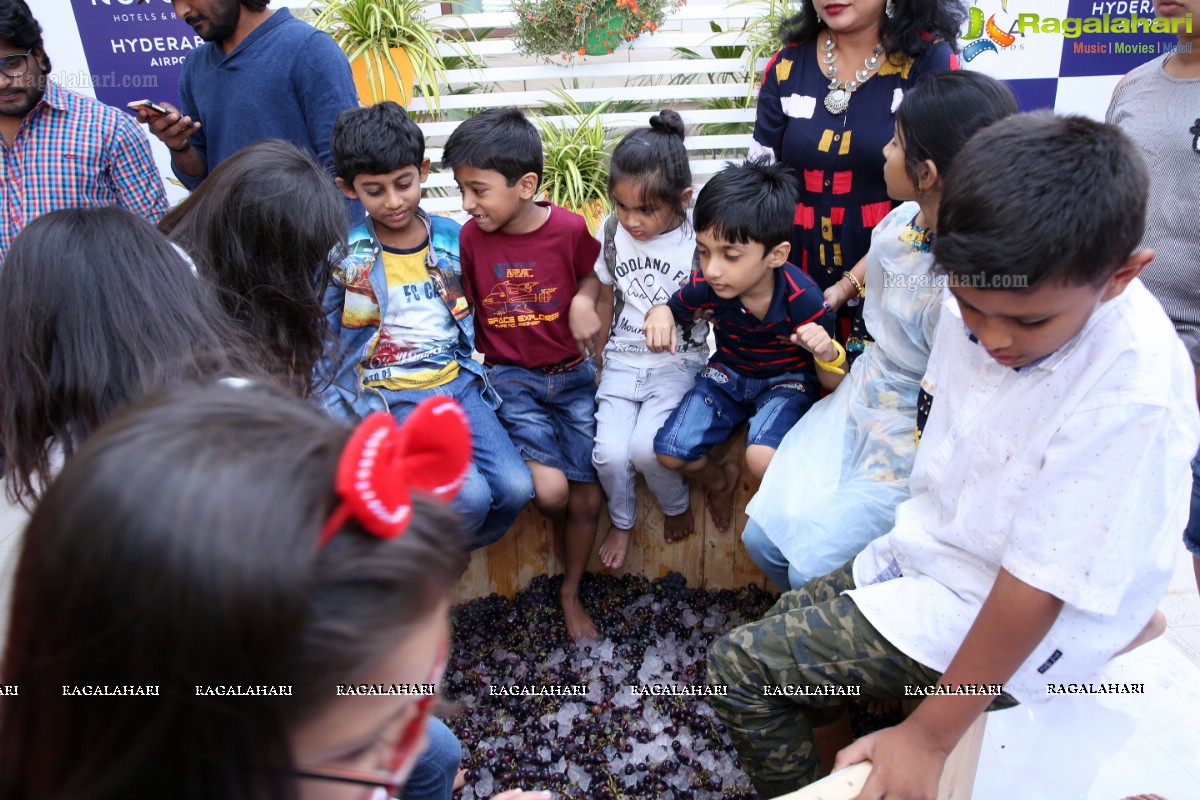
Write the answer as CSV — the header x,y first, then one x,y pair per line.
x,y
211,577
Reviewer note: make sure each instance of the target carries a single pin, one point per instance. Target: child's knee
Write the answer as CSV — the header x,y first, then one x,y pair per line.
x,y
611,459
513,490
758,458
671,462
550,489
643,457
474,500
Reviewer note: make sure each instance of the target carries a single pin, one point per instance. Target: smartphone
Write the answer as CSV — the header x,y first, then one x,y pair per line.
x,y
152,109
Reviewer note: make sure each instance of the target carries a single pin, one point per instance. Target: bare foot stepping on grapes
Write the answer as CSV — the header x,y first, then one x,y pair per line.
x,y
579,624
615,547
720,502
678,526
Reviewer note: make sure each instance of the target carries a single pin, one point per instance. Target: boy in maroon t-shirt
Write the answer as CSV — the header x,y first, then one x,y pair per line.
x,y
527,268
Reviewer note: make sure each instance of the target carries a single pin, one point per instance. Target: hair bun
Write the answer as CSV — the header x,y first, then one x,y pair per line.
x,y
667,121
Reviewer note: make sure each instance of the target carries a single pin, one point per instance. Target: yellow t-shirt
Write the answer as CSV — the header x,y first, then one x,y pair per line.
x,y
417,339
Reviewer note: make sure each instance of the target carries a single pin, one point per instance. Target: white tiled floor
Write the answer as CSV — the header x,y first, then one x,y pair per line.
x,y
1090,748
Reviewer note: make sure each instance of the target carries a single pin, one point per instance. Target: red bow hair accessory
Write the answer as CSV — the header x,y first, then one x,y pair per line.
x,y
382,462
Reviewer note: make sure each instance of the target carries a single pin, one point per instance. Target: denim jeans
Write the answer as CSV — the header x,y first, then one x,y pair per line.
x,y
498,485
724,399
632,403
551,416
433,776
767,556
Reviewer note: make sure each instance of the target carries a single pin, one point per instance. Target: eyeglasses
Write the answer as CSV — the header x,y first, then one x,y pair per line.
x,y
403,752
16,66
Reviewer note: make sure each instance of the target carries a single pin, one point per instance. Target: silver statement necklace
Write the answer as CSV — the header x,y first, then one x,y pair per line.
x,y
838,99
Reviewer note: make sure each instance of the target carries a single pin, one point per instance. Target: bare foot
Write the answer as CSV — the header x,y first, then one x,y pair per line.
x,y
720,502
460,780
579,624
677,527
615,547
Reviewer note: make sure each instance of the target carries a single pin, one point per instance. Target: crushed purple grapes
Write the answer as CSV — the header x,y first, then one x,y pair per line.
x,y
610,743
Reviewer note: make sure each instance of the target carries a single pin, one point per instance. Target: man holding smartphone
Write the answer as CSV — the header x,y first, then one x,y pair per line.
x,y
260,75
61,149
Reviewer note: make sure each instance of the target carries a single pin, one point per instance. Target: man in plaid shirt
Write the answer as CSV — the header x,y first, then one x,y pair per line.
x,y
61,149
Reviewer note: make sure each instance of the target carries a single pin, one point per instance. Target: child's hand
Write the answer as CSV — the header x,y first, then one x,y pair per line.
x,y
815,339
660,329
906,763
585,324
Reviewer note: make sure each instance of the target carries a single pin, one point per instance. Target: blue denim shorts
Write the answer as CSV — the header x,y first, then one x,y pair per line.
x,y
550,415
1191,534
722,400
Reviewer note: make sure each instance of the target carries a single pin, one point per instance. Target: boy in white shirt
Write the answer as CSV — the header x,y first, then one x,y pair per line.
x,y
1048,490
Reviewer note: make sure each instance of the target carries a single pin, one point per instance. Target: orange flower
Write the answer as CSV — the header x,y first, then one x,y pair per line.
x,y
653,27
581,52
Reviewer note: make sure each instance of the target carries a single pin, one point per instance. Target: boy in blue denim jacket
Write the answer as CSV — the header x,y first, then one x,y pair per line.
x,y
403,328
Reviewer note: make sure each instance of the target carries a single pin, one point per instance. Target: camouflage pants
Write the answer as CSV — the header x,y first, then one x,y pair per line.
x,y
811,638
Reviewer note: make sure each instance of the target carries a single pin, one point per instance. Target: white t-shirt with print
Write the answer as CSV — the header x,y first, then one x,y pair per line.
x,y
1072,474
646,274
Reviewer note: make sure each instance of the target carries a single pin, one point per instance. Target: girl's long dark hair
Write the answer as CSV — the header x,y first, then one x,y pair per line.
x,y
97,309
266,227
916,26
179,549
943,111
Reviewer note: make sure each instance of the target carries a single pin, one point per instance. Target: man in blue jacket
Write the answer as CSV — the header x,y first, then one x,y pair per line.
x,y
260,75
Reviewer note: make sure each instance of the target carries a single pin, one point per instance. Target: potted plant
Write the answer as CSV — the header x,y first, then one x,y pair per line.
x,y
575,161
553,30
391,45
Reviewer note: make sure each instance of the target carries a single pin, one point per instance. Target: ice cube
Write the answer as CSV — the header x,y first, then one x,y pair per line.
x,y
484,786
566,716
577,776
624,698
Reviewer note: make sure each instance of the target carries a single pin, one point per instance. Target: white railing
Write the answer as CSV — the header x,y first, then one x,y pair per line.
x,y
648,72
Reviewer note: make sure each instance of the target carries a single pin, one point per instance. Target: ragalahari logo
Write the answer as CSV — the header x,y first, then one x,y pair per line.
x,y
997,38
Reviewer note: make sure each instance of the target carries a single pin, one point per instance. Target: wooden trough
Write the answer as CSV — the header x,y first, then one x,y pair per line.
x,y
708,558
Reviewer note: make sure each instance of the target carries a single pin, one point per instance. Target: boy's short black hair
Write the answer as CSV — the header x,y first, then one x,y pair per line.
x,y
375,140
499,139
754,201
1043,197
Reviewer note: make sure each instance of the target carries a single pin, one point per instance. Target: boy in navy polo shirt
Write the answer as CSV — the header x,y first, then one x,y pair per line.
x,y
770,319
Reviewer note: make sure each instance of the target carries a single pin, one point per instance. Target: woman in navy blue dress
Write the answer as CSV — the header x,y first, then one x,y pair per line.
x,y
826,110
